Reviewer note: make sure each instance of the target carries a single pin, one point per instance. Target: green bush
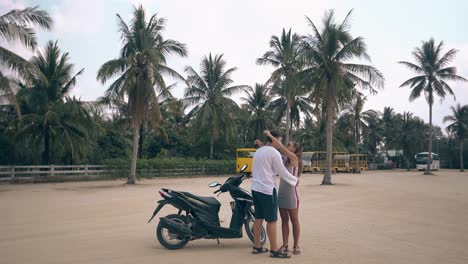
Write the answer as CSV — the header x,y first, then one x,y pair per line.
x,y
172,167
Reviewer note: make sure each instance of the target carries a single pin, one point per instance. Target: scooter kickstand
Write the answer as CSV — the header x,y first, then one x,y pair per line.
x,y
218,240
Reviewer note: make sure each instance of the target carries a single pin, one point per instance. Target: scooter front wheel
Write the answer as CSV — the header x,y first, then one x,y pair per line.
x,y
249,229
168,239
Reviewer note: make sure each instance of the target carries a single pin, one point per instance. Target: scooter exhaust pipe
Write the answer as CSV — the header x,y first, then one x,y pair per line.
x,y
175,227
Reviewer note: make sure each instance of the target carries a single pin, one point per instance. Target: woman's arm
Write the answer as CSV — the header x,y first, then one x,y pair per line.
x,y
292,157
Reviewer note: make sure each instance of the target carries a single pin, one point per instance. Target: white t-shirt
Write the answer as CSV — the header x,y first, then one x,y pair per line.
x,y
266,165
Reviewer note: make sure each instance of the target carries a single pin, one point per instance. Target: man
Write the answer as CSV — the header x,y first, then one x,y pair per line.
x,y
267,164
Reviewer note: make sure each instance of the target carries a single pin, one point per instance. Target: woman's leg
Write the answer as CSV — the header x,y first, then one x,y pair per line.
x,y
285,225
294,214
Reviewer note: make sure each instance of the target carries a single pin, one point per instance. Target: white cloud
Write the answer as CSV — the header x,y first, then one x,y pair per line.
x,y
147,4
72,16
398,98
7,5
241,30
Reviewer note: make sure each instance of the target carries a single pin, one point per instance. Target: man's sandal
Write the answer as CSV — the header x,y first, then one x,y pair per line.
x,y
259,250
284,249
279,254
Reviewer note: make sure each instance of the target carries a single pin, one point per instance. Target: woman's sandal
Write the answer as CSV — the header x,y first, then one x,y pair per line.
x,y
259,250
296,251
279,254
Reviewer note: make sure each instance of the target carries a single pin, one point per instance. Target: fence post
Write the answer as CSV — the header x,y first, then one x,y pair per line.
x,y
52,169
12,175
86,170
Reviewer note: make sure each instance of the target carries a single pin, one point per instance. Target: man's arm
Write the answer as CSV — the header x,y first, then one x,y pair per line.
x,y
279,168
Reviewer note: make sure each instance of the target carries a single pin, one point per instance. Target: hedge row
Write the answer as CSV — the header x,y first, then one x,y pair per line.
x,y
172,167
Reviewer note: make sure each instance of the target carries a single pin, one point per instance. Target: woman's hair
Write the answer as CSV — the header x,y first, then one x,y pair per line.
x,y
298,151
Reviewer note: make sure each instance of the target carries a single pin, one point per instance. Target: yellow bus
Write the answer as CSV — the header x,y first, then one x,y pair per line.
x,y
315,161
244,156
340,163
362,161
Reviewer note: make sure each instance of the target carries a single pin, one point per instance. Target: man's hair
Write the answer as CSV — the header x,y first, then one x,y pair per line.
x,y
274,133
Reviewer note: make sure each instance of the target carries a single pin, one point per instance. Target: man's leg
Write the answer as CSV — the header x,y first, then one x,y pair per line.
x,y
271,232
257,232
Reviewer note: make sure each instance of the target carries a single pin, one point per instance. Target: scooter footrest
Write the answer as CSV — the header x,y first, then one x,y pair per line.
x,y
223,232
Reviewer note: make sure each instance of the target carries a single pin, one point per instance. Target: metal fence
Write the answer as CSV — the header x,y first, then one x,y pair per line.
x,y
70,172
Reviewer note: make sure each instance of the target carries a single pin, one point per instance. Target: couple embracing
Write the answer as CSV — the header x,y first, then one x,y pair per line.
x,y
267,163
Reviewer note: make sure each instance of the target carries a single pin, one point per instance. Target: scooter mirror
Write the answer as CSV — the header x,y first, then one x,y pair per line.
x,y
213,184
244,167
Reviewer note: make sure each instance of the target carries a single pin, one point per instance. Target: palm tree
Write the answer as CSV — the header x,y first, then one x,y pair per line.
x,y
388,121
432,72
372,134
458,126
18,25
49,113
408,137
299,103
140,69
285,54
358,116
256,103
328,53
209,92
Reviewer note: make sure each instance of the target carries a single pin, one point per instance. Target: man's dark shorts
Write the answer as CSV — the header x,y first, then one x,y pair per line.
x,y
266,206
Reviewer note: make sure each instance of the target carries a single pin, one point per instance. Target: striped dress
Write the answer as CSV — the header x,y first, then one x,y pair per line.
x,y
288,198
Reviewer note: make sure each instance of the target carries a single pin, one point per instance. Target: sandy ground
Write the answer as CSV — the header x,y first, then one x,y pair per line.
x,y
375,217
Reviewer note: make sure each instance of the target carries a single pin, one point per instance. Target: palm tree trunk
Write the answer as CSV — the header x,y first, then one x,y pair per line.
x,y
45,154
288,121
429,158
461,156
357,149
132,176
330,109
140,142
211,146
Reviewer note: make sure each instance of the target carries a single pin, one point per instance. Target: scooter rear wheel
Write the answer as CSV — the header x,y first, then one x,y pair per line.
x,y
168,239
249,225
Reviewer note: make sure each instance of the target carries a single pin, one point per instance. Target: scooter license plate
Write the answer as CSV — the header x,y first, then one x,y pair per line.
x,y
233,205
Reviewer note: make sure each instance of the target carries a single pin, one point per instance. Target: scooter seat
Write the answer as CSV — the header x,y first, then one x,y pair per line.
x,y
207,200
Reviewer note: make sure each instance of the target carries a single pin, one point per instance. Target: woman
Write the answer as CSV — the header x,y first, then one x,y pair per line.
x,y
288,198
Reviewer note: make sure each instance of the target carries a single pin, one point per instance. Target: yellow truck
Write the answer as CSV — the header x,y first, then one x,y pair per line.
x,y
244,156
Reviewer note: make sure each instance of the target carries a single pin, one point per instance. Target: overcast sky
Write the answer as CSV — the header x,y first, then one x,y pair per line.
x,y
241,30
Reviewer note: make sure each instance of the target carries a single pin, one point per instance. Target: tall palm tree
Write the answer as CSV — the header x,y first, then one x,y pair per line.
x,y
388,121
408,136
285,54
299,104
256,103
329,52
355,113
140,68
209,92
372,133
433,73
19,25
458,126
49,113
